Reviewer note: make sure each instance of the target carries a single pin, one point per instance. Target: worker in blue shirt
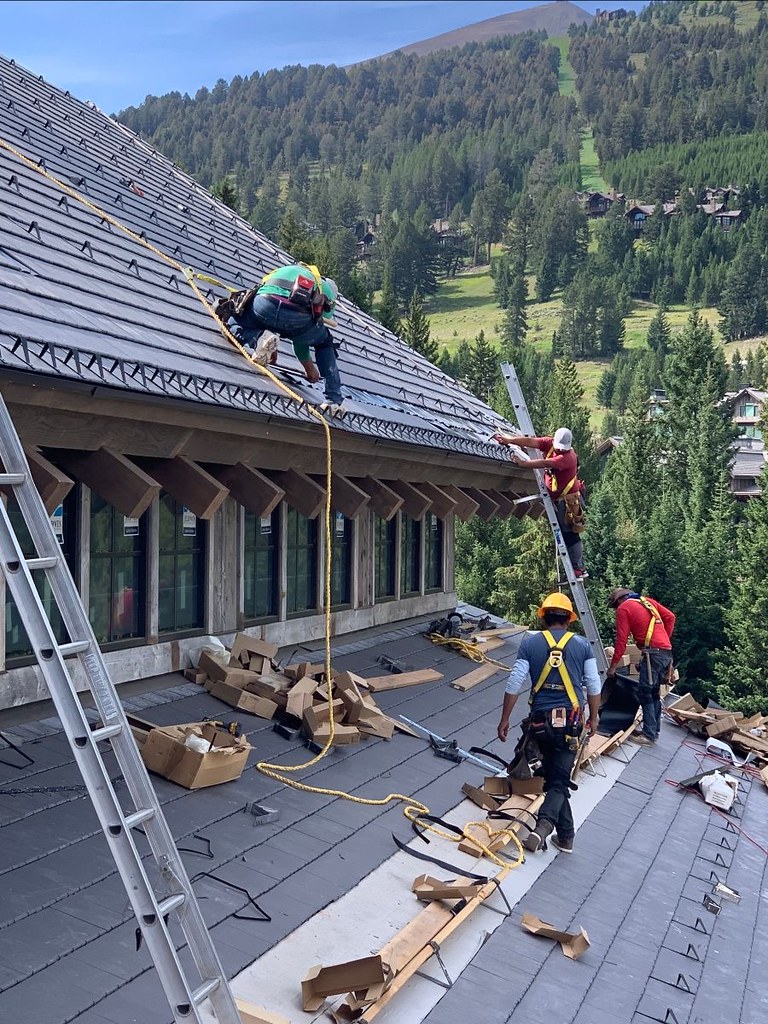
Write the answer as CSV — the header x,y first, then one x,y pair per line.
x,y
561,666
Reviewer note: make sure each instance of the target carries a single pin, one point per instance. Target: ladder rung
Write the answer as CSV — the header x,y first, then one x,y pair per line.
x,y
74,648
42,563
106,732
171,904
139,817
12,479
205,990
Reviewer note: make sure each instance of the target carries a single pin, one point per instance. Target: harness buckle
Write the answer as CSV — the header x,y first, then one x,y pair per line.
x,y
555,658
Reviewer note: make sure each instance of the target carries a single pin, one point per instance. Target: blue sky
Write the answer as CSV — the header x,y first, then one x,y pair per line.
x,y
117,53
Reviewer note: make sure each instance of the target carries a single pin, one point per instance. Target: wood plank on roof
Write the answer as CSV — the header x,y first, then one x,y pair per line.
x,y
52,484
189,484
114,477
301,491
466,507
416,504
384,501
487,507
443,504
250,488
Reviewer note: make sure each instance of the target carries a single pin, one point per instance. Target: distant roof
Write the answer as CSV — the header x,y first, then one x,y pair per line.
x,y
82,301
759,396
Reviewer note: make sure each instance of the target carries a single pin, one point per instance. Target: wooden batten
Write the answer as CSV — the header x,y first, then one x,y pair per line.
x,y
486,507
416,504
301,491
188,483
346,497
384,501
506,505
250,488
466,507
443,504
114,477
52,484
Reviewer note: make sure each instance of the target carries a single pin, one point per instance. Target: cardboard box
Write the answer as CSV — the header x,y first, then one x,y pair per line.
x,y
212,667
353,976
239,698
342,734
317,715
526,787
721,726
375,724
251,646
250,1014
164,751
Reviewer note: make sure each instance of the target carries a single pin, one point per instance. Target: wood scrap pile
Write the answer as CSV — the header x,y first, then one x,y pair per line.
x,y
373,981
497,794
297,697
744,735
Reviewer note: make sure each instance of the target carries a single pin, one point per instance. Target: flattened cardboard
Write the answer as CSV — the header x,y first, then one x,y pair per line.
x,y
573,944
497,785
427,888
724,724
239,698
764,776
479,797
212,667
318,715
251,1014
375,725
164,752
355,975
251,645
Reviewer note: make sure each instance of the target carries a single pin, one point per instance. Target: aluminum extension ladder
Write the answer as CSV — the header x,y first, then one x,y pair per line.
x,y
578,590
187,997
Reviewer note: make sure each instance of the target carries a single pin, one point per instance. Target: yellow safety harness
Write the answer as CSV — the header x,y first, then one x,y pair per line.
x,y
656,619
556,660
553,478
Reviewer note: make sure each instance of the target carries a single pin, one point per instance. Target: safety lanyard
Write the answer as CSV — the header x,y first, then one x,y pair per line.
x,y
556,660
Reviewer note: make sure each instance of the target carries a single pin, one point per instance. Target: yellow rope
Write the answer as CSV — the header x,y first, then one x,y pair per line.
x,y
472,651
278,772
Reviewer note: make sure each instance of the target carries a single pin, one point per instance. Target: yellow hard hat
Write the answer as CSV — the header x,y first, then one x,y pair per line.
x,y
559,602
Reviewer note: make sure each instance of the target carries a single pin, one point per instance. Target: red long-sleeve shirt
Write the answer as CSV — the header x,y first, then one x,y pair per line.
x,y
565,467
632,618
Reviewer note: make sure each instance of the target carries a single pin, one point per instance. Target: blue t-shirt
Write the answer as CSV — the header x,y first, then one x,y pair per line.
x,y
579,663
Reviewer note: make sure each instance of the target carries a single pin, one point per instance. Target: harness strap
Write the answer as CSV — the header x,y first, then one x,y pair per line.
x,y
456,872
656,619
571,483
556,660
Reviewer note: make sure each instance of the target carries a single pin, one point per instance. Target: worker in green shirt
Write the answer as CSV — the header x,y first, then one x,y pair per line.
x,y
297,303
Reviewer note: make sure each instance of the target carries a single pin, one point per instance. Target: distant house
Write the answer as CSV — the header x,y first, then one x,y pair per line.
x,y
597,204
612,15
638,213
607,447
728,218
749,456
657,403
747,406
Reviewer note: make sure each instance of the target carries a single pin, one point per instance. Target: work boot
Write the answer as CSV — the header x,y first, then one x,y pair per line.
x,y
537,840
642,740
563,845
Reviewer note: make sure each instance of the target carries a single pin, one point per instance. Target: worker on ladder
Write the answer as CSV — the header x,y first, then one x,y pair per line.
x,y
651,626
297,303
561,474
562,666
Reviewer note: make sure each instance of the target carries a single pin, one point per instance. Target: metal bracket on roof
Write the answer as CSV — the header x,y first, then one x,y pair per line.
x,y
28,760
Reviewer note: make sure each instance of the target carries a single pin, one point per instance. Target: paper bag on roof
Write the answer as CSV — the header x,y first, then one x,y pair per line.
x,y
573,944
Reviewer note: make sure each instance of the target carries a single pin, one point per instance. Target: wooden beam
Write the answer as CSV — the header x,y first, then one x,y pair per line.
x,y
346,497
466,507
384,501
506,505
301,492
52,484
487,507
250,488
114,477
188,483
443,504
416,504
397,680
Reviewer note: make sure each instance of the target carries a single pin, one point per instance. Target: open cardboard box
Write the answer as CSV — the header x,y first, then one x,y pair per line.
x,y
163,751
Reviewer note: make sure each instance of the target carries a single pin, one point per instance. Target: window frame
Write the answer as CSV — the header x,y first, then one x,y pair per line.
x,y
201,553
145,527
312,563
277,532
391,543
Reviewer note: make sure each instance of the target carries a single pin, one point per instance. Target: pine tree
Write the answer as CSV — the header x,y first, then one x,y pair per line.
x,y
741,683
226,191
515,323
518,588
388,313
659,334
416,330
483,371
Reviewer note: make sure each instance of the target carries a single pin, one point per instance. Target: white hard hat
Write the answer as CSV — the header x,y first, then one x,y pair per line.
x,y
563,439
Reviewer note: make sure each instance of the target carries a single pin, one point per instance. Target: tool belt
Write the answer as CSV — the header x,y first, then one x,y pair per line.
x,y
575,516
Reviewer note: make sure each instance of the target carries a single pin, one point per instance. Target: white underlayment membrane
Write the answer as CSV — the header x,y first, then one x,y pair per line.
x,y
363,919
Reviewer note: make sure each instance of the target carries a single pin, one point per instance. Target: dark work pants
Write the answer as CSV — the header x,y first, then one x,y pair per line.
x,y
557,761
648,689
571,540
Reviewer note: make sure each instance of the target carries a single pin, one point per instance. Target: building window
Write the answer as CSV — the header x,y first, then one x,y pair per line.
x,y
117,597
385,540
64,522
433,553
410,556
260,565
341,561
181,568
749,411
301,572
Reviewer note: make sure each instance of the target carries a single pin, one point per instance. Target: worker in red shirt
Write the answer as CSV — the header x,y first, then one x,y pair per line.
x,y
561,475
651,626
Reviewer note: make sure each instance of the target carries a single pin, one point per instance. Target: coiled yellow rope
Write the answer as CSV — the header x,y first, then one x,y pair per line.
x,y
280,773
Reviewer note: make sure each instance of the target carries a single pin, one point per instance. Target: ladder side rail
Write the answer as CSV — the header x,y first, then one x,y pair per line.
x,y
108,704
93,770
